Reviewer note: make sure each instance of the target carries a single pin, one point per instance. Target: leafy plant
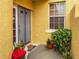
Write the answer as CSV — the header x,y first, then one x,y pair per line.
x,y
19,45
62,40
49,41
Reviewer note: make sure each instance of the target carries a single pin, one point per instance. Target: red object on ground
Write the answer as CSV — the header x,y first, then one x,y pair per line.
x,y
18,53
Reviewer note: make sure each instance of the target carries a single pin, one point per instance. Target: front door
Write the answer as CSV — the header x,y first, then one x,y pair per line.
x,y
24,34
23,25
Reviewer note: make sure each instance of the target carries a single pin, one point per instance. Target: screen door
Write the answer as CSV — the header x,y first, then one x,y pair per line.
x,y
24,34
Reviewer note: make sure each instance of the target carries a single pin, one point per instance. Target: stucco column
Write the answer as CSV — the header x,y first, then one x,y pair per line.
x,y
75,29
6,29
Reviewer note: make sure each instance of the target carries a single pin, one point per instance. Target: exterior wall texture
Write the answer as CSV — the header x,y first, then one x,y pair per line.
x,y
6,7
75,29
24,3
41,20
39,23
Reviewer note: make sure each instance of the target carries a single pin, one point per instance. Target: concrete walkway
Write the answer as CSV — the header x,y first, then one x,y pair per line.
x,y
41,52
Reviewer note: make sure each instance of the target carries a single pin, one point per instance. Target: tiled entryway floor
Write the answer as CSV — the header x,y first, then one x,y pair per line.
x,y
41,52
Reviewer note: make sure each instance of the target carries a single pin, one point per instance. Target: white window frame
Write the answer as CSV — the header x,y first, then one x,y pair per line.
x,y
53,30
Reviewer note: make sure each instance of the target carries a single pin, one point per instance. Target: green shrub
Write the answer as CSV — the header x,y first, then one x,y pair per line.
x,y
62,39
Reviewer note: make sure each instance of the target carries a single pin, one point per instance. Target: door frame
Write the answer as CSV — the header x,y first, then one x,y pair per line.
x,y
16,19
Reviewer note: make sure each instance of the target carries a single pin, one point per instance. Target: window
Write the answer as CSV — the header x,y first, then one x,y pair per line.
x,y
56,15
14,25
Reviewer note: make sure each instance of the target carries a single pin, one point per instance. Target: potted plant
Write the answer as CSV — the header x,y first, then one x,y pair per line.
x,y
19,45
50,44
19,52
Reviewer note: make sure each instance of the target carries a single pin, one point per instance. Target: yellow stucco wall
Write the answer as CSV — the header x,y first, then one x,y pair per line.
x,y
75,38
76,8
24,3
75,29
6,29
41,17
39,24
39,21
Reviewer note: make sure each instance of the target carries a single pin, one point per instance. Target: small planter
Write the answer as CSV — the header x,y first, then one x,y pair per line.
x,y
50,44
19,53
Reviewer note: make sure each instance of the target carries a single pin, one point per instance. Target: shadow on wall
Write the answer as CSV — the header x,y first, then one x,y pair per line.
x,y
72,17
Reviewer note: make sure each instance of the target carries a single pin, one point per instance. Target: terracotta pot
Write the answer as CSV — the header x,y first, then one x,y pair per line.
x,y
50,46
